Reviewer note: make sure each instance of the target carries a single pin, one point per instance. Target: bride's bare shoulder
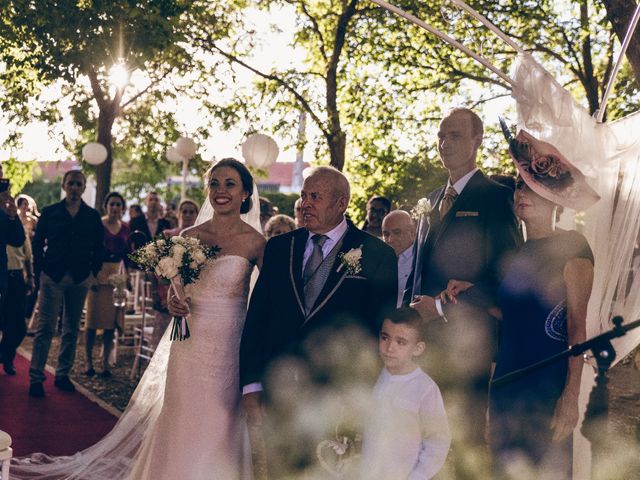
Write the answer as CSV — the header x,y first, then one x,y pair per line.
x,y
194,231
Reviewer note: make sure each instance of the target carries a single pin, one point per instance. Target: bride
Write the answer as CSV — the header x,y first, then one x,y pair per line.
x,y
183,420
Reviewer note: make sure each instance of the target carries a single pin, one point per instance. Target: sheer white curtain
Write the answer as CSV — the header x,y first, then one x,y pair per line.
x,y
609,154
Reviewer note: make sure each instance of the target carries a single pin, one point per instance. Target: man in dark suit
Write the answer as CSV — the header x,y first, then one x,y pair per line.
x,y
308,294
472,226
151,224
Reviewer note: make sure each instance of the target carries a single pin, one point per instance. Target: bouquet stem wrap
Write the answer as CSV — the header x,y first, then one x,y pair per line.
x,y
180,327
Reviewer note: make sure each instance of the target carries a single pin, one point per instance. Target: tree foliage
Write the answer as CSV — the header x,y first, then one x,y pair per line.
x,y
73,45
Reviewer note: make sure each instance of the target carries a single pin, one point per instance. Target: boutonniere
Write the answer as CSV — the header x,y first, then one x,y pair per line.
x,y
422,209
351,261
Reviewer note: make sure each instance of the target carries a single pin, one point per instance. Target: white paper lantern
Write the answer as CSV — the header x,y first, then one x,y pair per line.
x,y
186,147
260,150
94,153
173,155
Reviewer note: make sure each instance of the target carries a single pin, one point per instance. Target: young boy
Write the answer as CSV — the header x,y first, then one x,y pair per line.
x,y
408,433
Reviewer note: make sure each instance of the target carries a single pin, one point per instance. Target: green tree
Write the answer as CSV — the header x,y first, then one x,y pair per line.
x,y
74,44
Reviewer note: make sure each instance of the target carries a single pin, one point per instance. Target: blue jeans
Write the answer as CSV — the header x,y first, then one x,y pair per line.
x,y
52,296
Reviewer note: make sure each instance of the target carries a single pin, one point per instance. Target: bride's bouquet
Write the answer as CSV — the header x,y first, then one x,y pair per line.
x,y
179,260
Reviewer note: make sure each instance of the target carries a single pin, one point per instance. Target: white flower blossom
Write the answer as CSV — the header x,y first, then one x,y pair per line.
x,y
351,261
167,268
198,256
177,252
422,209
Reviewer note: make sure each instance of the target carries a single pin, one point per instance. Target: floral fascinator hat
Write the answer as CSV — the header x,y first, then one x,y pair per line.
x,y
547,172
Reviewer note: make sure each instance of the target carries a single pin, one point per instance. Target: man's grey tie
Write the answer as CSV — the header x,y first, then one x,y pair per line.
x,y
447,201
313,283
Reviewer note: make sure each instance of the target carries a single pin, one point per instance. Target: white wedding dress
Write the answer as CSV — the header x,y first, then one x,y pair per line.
x,y
184,419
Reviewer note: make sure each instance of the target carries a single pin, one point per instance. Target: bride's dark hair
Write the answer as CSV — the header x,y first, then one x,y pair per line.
x,y
245,177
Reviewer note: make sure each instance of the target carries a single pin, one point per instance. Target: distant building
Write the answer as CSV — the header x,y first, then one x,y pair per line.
x,y
284,177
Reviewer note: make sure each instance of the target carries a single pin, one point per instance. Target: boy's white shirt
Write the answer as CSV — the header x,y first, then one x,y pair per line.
x,y
408,433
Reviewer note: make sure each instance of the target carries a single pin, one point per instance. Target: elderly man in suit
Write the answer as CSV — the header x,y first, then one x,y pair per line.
x,y
150,225
308,293
399,232
471,228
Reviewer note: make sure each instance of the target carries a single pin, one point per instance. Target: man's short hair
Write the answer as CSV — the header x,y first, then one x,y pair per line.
x,y
477,127
409,317
73,172
337,180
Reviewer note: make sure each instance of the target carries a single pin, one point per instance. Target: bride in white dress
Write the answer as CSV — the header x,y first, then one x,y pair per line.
x,y
184,420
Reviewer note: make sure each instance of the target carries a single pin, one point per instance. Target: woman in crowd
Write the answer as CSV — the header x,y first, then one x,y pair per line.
x,y
542,301
28,213
101,312
278,225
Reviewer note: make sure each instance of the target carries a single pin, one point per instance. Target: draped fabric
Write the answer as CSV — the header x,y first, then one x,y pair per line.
x,y
609,155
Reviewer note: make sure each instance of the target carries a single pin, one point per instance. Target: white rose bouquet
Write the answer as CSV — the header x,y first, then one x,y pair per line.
x,y
179,260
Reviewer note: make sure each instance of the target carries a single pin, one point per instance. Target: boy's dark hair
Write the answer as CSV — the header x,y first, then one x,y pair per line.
x,y
410,317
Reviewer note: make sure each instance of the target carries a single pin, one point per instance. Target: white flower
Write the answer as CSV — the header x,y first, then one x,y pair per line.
x,y
198,256
422,209
351,261
167,268
177,252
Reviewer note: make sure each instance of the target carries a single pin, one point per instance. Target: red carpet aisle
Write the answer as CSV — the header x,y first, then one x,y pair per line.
x,y
61,423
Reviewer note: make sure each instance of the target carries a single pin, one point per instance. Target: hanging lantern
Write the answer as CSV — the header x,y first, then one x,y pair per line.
x,y
173,155
186,147
94,153
260,150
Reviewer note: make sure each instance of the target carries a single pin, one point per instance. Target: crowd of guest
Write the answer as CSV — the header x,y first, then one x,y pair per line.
x,y
462,276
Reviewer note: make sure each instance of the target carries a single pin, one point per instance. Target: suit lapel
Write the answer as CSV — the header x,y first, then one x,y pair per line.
x,y
467,192
335,278
296,254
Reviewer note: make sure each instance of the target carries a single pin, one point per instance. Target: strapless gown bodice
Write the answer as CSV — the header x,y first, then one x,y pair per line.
x,y
200,430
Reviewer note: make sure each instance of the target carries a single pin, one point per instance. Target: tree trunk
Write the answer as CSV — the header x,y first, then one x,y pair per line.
x,y
337,146
103,171
619,13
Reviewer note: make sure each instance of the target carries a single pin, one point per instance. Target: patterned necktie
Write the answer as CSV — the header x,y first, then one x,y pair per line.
x,y
316,257
447,201
313,283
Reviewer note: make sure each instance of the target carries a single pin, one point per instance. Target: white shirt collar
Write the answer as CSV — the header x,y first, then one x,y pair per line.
x,y
407,254
462,182
336,233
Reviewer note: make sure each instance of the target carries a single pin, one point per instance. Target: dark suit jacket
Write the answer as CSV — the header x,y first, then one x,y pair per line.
x,y
470,242
140,224
276,323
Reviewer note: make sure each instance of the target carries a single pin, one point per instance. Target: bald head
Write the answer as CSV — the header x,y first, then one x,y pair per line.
x,y
398,230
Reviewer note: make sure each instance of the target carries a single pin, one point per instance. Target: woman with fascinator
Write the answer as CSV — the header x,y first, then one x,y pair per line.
x,y
542,301
184,421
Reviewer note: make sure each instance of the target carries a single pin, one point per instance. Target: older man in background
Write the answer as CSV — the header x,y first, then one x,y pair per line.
x,y
399,232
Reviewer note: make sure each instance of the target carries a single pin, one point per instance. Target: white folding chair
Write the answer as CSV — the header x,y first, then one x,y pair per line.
x,y
6,452
143,333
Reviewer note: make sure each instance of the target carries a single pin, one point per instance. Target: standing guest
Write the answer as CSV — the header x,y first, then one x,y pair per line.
x,y
11,230
407,434
543,300
67,254
28,212
187,214
267,210
20,284
297,212
399,232
278,225
306,296
101,312
472,228
152,224
170,215
378,207
135,210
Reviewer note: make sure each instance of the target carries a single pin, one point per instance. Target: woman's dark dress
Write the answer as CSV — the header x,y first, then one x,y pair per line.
x,y
532,297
